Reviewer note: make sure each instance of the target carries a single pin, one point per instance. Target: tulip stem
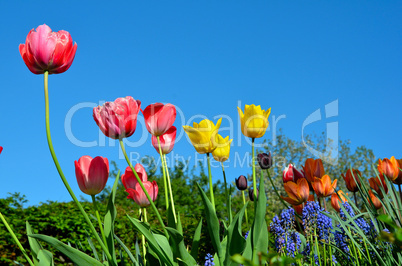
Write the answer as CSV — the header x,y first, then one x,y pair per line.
x,y
143,188
164,175
244,203
170,189
400,192
16,240
354,195
211,189
63,178
144,250
253,163
276,191
227,195
99,220
325,204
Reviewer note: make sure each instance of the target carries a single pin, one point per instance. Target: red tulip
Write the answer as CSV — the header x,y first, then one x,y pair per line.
x,y
398,180
376,183
313,168
92,174
1,149
291,174
45,50
374,200
128,178
389,168
167,140
159,118
350,179
118,119
138,195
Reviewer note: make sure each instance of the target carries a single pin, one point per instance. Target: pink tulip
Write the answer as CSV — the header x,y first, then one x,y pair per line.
x,y
118,119
139,196
92,174
159,118
45,50
291,174
167,140
128,178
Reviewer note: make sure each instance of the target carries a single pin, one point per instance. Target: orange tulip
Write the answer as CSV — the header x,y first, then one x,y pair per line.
x,y
323,187
313,168
389,168
335,200
350,178
374,200
375,184
299,208
398,180
298,193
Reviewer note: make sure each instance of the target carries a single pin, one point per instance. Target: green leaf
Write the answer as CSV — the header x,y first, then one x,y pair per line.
x,y
235,240
179,248
45,258
110,217
91,245
152,242
196,240
33,243
213,224
130,255
75,255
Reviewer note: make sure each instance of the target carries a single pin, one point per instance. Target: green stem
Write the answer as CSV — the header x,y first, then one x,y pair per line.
x,y
244,203
143,188
325,204
227,194
354,195
63,178
144,250
164,175
276,191
368,254
316,246
211,189
16,240
170,189
253,163
99,220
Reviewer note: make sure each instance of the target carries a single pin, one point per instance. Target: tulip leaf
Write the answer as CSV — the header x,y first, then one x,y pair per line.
x,y
45,258
152,241
110,217
196,240
179,248
235,240
130,255
76,256
91,245
213,224
33,243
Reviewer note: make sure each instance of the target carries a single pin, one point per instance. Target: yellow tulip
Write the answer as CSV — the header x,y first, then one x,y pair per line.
x,y
203,135
254,121
221,153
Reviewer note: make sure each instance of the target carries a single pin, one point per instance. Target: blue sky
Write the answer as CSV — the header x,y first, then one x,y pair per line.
x,y
205,57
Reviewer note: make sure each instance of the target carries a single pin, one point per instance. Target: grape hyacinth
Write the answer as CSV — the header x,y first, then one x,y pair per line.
x,y
209,260
287,240
315,222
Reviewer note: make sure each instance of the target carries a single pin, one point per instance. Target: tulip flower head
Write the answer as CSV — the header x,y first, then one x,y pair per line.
x,y
92,174
167,140
118,119
203,135
241,182
291,174
335,200
251,194
374,200
376,184
138,195
128,178
1,149
254,121
350,178
389,168
398,180
313,168
298,193
323,187
264,160
45,50
159,118
221,153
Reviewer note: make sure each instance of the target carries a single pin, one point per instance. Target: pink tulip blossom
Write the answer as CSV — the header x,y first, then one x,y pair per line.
x,y
118,119
128,178
138,195
92,174
167,140
45,50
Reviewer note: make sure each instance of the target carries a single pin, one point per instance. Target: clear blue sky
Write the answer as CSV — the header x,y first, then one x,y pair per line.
x,y
204,57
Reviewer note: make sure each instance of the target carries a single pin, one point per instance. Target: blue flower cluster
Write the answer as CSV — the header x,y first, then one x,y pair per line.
x,y
315,222
209,260
287,240
246,235
361,223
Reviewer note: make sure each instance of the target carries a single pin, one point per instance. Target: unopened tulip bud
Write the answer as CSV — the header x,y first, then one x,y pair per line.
x,y
291,174
264,160
241,182
251,194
